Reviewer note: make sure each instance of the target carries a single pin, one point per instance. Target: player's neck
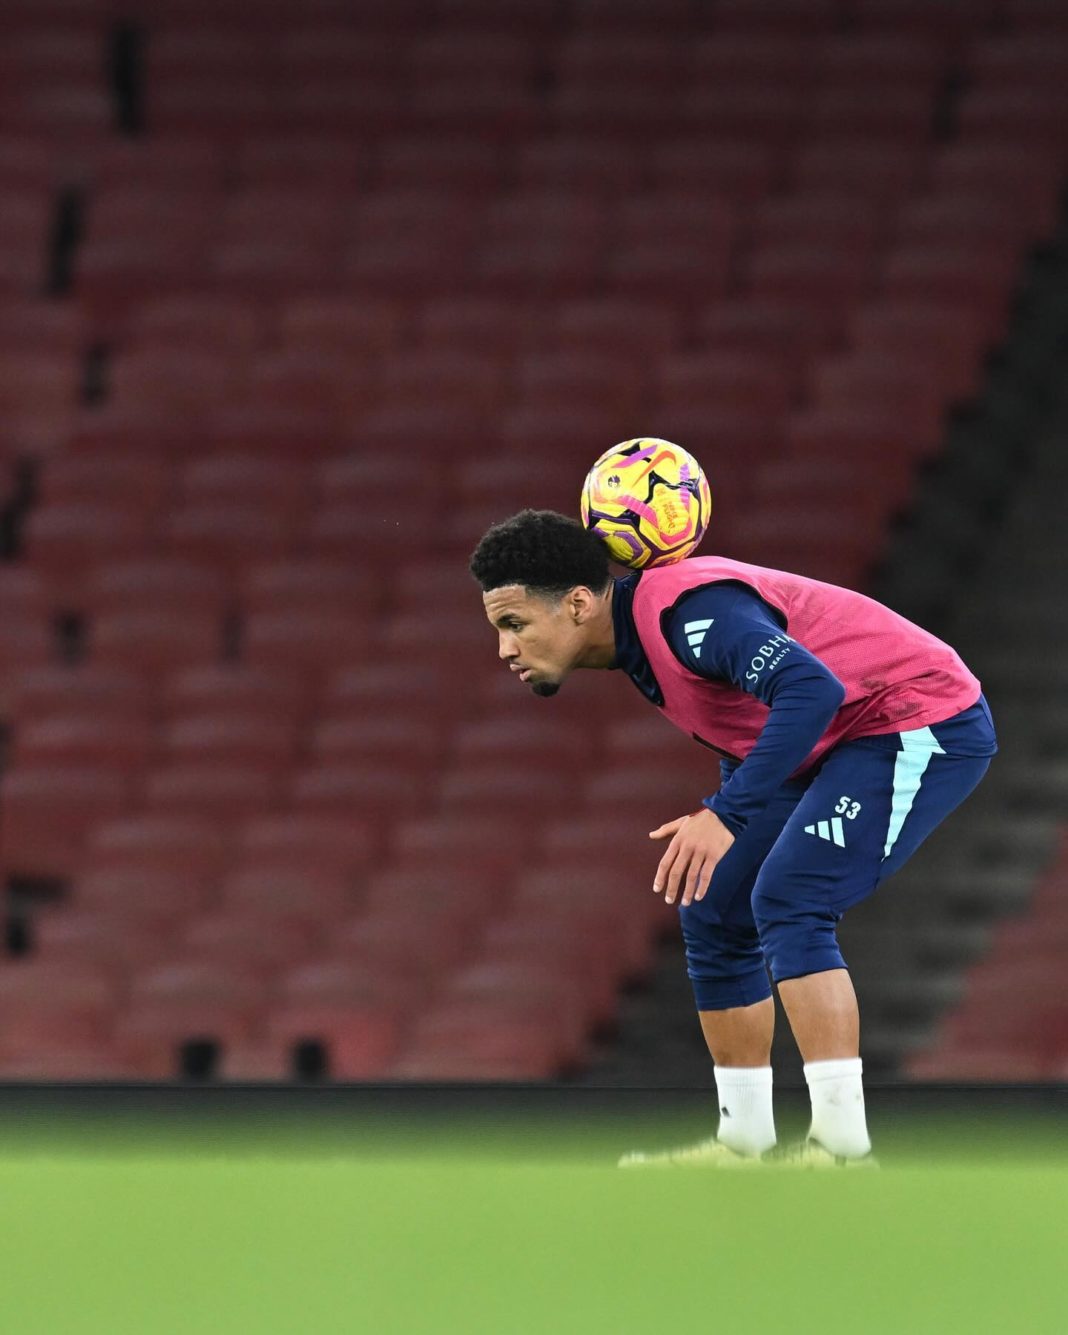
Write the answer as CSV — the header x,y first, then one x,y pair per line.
x,y
600,650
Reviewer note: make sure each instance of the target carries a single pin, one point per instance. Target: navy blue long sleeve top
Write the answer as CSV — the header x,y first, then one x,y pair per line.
x,y
727,632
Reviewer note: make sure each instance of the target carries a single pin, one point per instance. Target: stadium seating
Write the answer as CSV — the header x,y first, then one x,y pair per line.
x,y
364,284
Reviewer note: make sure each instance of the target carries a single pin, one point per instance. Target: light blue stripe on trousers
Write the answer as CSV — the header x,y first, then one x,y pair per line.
x,y
917,747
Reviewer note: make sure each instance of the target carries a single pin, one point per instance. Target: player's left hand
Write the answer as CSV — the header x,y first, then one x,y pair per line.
x,y
697,844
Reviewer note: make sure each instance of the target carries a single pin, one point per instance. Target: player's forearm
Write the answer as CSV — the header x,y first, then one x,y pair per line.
x,y
800,712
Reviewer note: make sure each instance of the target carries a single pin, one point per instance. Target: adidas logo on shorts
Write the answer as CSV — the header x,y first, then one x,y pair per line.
x,y
831,830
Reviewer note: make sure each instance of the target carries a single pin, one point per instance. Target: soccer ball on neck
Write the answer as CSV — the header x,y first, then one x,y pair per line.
x,y
648,500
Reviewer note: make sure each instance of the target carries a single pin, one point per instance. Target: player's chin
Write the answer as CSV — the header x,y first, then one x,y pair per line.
x,y
545,688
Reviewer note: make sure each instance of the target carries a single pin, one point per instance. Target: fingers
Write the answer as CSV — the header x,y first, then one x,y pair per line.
x,y
672,827
694,879
672,869
663,871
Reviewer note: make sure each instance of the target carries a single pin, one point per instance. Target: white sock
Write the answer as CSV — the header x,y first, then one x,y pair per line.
x,y
746,1122
837,1094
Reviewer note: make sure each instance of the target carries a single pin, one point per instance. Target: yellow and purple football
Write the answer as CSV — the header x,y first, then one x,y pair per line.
x,y
649,500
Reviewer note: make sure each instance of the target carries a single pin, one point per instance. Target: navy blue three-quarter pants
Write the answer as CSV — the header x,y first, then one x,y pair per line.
x,y
820,845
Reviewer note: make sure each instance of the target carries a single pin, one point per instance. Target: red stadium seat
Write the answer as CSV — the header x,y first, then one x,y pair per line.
x,y
388,940
342,324
948,21
537,268
898,113
587,377
155,585
355,985
135,481
911,390
228,534
24,595
442,842
256,1059
39,325
945,338
310,895
845,162
976,279
148,640
322,45
161,844
75,1002
198,320
472,382
800,17
121,742
113,941
601,167
316,162
345,530
289,586
964,218
161,160
370,689
689,271
280,487
380,790
650,59
202,104
320,384
1036,16
839,221
478,325
232,686
360,1038
263,943
824,283
740,108
63,539
858,431
300,840
617,325
754,57
743,381
497,786
310,640
774,332
274,267
150,898
94,1062
459,163
371,732
513,990
464,1044
592,106
878,58
41,692
212,788
47,811
453,899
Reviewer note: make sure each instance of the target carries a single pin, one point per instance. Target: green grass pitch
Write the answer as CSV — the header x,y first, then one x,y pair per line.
x,y
456,1223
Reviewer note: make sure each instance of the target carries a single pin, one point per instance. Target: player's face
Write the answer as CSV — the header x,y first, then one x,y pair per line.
x,y
540,638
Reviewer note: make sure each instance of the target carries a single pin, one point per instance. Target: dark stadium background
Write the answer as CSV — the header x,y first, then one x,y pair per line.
x,y
296,299
331,983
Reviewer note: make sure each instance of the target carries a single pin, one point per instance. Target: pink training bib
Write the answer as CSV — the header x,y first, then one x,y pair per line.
x,y
896,676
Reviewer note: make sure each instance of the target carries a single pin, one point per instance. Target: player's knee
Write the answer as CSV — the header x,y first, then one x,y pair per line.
x,y
724,961
796,938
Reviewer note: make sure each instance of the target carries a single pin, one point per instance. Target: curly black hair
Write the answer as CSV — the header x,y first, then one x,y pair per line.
x,y
545,551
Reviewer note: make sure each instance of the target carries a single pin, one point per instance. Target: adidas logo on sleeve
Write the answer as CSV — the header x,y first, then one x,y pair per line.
x,y
695,634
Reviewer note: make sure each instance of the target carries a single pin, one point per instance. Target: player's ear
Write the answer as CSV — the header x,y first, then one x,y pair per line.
x,y
580,603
